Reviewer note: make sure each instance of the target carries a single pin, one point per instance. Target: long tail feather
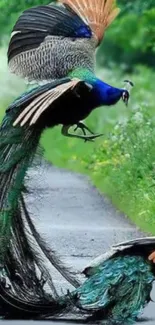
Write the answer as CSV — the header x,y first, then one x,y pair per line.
x,y
23,253
97,14
50,254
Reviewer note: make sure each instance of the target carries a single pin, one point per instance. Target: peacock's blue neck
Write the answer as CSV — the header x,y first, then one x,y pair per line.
x,y
105,94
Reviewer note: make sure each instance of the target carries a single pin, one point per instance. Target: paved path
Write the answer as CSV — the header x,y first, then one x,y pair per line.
x,y
77,221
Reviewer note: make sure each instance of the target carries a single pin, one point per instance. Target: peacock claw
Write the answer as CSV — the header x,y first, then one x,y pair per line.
x,y
83,127
84,137
91,138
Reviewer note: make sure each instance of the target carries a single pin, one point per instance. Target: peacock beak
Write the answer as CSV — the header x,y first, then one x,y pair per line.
x,y
126,102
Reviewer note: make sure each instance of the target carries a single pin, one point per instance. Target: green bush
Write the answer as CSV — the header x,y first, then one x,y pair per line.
x,y
131,38
123,166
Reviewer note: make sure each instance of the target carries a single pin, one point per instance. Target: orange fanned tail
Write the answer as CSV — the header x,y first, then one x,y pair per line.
x,y
98,14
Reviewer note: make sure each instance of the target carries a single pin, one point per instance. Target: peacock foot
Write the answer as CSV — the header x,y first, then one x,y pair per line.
x,y
83,127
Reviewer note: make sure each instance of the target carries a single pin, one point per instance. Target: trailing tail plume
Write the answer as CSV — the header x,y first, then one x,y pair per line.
x,y
23,253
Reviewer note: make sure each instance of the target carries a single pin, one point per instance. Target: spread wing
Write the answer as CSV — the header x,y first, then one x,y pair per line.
x,y
32,105
37,23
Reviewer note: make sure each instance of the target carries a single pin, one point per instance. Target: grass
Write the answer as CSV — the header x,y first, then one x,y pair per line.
x,y
122,163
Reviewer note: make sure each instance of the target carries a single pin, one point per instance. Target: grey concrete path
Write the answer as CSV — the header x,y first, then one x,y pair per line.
x,y
77,221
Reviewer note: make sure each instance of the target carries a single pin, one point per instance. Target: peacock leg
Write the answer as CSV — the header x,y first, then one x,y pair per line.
x,y
65,132
83,127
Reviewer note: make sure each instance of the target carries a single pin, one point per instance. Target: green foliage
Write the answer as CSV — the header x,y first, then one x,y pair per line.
x,y
136,6
124,166
131,38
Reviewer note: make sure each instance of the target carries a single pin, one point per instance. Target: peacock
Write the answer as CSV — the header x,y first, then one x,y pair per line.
x,y
58,41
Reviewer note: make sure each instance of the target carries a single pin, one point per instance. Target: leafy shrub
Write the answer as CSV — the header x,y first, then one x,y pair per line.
x,y
131,38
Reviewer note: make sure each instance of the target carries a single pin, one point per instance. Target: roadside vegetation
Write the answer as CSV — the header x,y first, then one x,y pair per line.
x,y
121,163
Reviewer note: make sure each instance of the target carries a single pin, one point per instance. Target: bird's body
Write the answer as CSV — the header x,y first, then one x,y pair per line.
x,y
73,106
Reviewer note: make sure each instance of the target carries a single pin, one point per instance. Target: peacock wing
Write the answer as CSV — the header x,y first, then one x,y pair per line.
x,y
37,23
34,104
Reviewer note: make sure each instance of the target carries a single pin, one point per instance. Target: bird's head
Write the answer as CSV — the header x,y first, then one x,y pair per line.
x,y
126,91
125,96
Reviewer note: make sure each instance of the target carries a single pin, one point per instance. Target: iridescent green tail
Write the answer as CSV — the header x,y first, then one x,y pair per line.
x,y
17,148
117,290
23,253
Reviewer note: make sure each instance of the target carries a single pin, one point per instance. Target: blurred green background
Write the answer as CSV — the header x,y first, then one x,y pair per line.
x,y
122,163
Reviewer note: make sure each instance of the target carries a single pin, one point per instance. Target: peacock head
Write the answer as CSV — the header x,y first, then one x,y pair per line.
x,y
126,91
